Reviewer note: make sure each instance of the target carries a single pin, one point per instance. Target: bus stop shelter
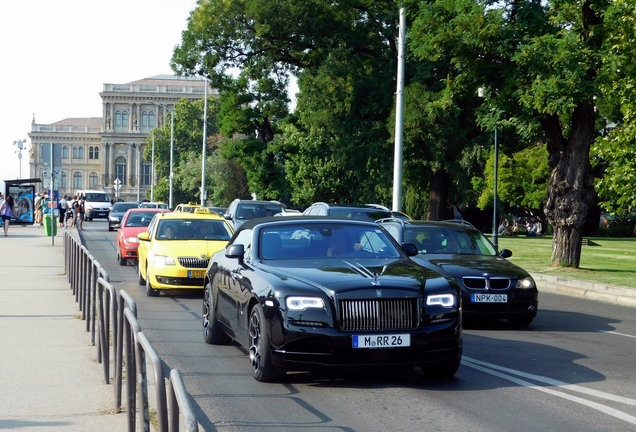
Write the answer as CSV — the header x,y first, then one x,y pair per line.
x,y
23,193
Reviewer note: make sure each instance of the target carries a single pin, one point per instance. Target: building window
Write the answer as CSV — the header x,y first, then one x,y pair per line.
x,y
63,179
147,120
120,169
77,180
146,174
64,152
93,152
121,121
93,180
78,152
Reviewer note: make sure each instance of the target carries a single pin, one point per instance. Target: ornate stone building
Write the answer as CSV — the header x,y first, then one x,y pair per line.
x,y
96,152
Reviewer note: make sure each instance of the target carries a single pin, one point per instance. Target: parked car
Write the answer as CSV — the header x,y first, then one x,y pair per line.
x,y
303,293
492,287
134,221
189,207
289,212
240,211
117,212
97,204
357,211
174,252
219,210
151,204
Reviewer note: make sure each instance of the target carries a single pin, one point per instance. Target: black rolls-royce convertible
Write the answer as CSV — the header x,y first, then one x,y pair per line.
x,y
304,293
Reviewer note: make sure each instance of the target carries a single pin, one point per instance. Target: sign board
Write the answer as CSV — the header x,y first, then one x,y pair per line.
x,y
57,154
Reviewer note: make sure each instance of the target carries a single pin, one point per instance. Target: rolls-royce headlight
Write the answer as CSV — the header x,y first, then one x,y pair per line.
x,y
302,303
163,260
447,300
525,283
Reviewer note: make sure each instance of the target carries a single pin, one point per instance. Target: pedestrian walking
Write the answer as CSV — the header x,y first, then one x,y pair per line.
x,y
80,208
6,211
63,207
72,213
44,207
37,205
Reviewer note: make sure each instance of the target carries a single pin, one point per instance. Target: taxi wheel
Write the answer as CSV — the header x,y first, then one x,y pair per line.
x,y
212,331
141,279
150,291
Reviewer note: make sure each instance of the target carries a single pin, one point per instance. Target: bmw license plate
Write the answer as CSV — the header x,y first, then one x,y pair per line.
x,y
196,274
381,341
488,298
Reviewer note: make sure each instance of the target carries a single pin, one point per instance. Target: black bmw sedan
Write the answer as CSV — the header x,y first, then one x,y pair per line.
x,y
492,287
303,293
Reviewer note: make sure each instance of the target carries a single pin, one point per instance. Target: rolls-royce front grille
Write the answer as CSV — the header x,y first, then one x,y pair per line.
x,y
194,262
486,283
378,314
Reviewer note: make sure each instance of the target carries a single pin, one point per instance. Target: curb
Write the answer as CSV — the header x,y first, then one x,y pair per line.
x,y
623,296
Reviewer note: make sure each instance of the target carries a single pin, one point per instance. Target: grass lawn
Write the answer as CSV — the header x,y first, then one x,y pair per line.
x,y
610,261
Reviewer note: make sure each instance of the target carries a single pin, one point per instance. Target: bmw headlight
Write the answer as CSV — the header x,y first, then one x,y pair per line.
x,y
525,283
302,303
163,260
446,300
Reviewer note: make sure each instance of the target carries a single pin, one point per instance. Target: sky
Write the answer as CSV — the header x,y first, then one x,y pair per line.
x,y
57,54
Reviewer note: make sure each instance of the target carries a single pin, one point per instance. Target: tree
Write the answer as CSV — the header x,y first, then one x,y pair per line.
x,y
541,62
344,47
188,141
522,180
615,151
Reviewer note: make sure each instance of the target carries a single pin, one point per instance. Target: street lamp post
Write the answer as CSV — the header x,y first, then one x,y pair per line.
x,y
205,122
495,239
152,171
171,147
20,144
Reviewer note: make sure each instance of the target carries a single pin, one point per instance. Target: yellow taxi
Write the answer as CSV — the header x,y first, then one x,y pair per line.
x,y
174,252
189,207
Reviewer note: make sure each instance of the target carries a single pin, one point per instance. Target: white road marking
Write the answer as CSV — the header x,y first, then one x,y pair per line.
x,y
493,369
617,333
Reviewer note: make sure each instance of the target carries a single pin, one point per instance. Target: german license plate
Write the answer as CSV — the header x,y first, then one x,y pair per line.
x,y
381,341
196,274
488,298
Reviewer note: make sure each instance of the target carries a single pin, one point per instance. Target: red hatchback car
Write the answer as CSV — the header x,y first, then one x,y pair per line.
x,y
133,222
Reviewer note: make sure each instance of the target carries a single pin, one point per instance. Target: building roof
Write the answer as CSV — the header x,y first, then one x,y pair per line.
x,y
161,79
81,121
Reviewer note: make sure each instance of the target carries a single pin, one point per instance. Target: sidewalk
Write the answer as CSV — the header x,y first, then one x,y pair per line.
x,y
50,379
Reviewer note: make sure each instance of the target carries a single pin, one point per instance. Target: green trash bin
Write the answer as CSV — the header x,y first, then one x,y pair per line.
x,y
47,224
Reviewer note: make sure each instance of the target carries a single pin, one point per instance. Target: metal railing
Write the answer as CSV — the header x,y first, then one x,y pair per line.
x,y
112,316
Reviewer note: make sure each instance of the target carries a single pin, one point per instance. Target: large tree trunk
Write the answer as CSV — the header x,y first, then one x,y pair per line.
x,y
571,188
438,195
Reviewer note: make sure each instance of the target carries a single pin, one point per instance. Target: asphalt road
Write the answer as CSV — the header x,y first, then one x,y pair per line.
x,y
571,370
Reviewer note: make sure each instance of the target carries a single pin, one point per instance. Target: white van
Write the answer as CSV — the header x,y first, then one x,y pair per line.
x,y
97,204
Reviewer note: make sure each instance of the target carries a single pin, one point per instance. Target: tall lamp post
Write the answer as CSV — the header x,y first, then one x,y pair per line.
x,y
171,146
20,144
495,239
152,170
205,123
